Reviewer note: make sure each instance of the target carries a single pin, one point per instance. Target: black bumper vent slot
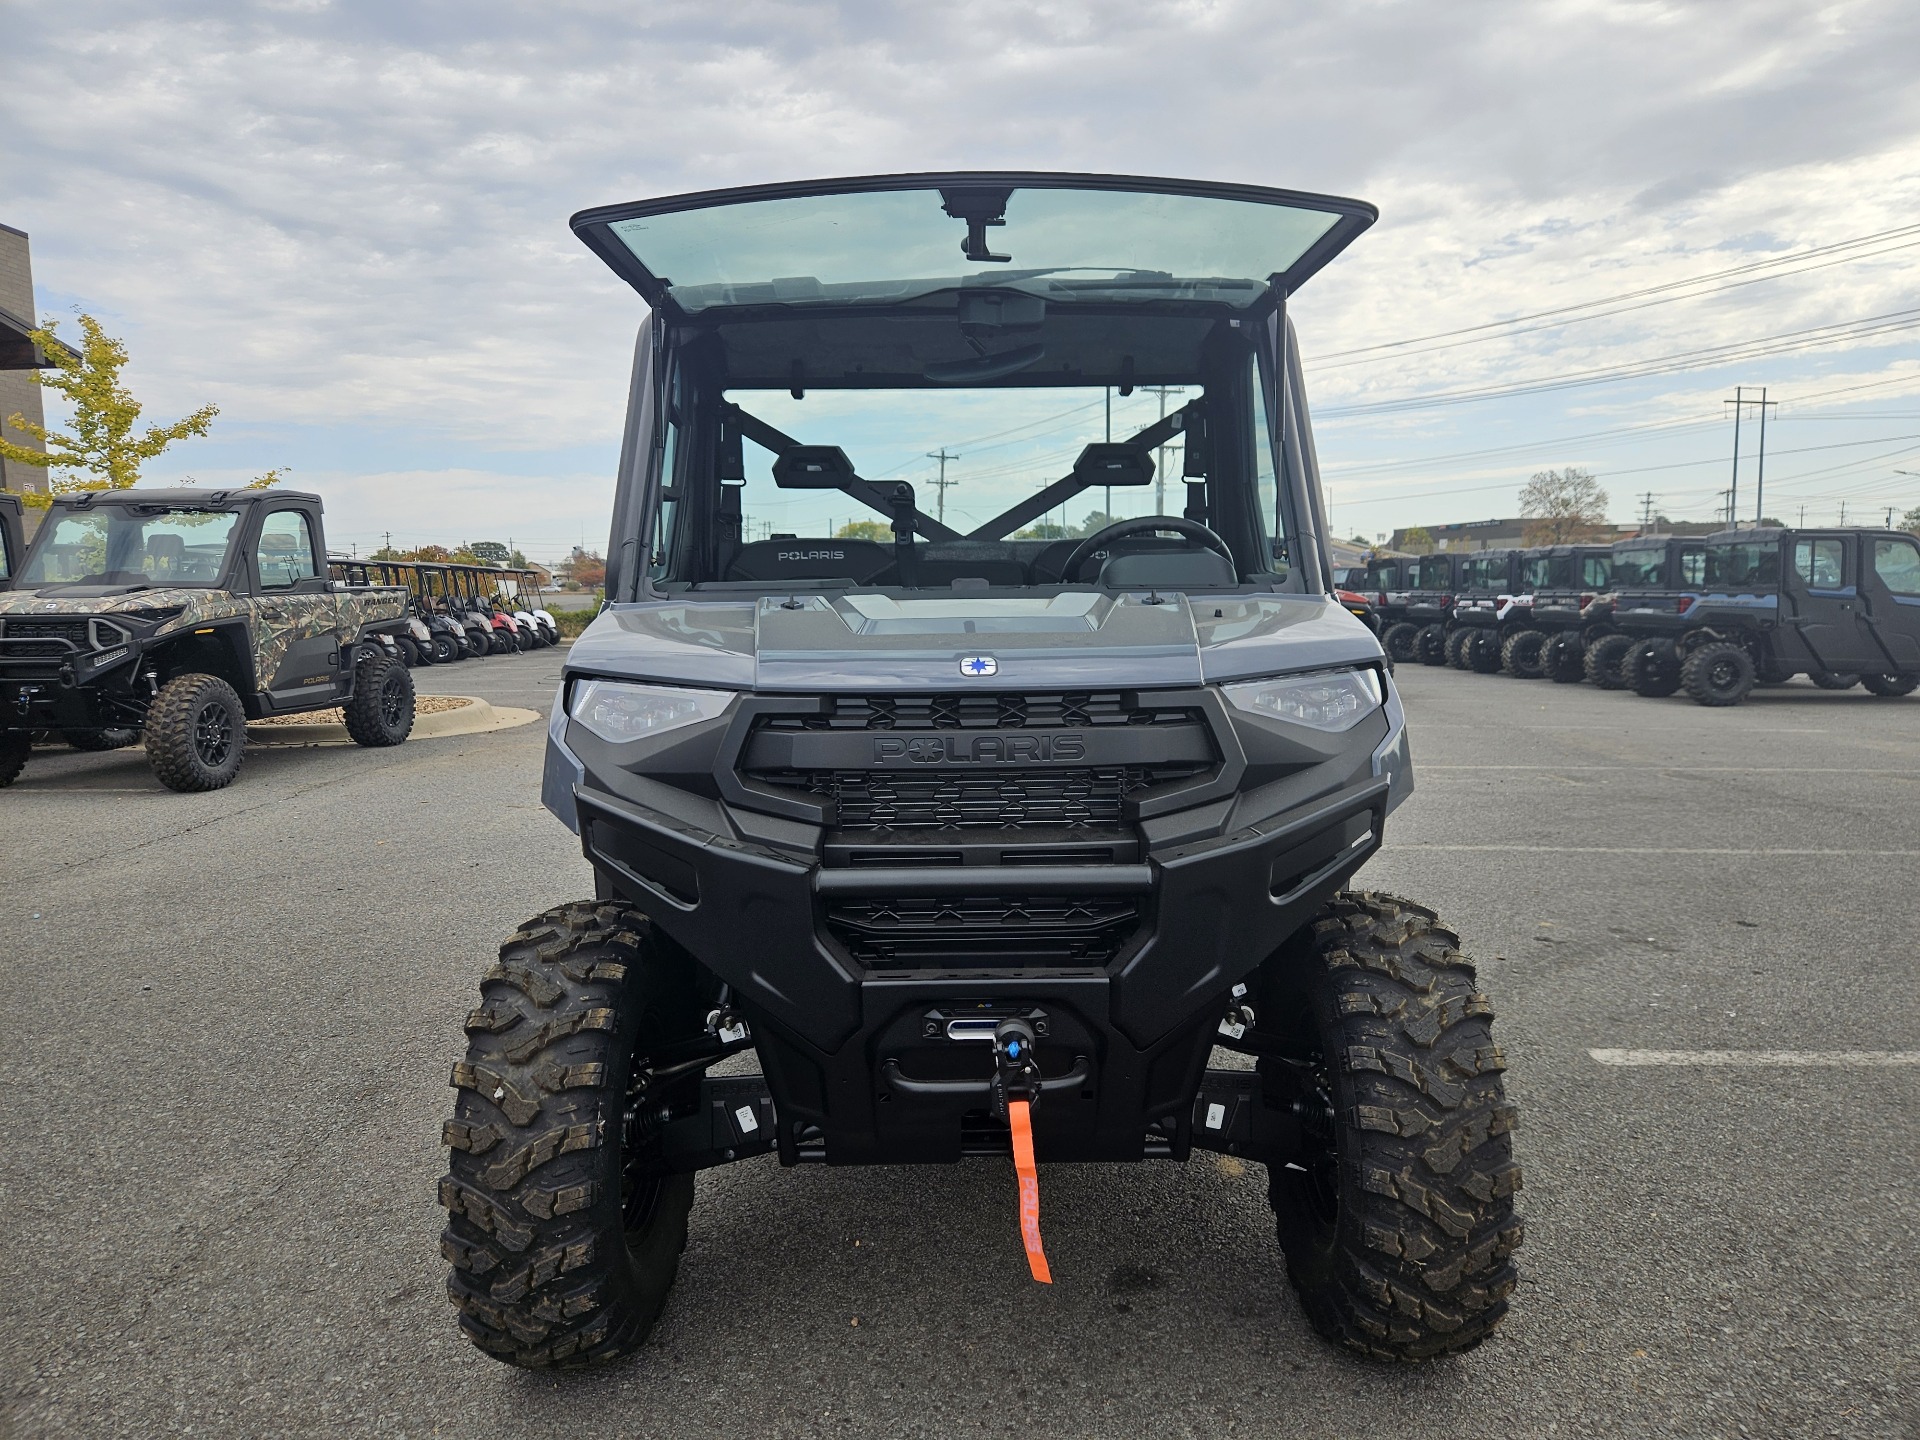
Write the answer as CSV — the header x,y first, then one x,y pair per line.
x,y
917,932
74,632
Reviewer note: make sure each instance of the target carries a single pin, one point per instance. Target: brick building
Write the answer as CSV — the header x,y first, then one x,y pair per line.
x,y
18,359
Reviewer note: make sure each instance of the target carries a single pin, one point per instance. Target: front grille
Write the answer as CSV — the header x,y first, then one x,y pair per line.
x,y
981,712
73,631
1021,930
35,650
1059,799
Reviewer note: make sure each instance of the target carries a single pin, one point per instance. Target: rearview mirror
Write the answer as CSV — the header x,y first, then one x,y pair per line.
x,y
812,467
1104,463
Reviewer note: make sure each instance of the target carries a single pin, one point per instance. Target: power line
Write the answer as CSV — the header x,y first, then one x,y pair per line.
x,y
1812,338
1649,430
1898,233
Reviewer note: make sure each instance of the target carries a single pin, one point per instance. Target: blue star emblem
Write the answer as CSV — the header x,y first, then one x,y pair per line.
x,y
978,666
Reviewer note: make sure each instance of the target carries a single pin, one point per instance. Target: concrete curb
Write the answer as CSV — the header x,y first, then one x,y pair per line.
x,y
477,718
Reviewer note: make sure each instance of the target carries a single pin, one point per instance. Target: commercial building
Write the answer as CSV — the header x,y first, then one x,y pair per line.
x,y
1491,534
18,358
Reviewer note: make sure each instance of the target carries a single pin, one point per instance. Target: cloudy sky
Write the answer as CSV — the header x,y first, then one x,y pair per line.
x,y
346,222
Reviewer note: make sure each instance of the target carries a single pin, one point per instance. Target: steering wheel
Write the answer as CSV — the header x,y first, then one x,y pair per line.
x,y
1180,525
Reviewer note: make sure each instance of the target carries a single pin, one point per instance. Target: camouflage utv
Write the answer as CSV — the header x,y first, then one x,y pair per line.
x,y
12,542
183,614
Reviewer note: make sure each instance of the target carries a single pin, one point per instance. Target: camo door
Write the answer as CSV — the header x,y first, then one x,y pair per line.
x,y
296,651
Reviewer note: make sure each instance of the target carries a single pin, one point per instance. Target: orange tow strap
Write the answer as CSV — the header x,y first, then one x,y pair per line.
x,y
1022,1124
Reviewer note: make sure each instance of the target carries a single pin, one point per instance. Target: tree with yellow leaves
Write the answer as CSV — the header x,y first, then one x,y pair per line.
x,y
104,452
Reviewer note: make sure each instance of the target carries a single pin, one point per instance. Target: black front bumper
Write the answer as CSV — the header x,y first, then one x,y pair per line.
x,y
56,685
860,1060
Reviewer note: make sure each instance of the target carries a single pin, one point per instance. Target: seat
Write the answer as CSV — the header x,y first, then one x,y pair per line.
x,y
166,555
772,561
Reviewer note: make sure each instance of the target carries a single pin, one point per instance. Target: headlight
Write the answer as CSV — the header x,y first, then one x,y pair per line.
x,y
615,710
1332,700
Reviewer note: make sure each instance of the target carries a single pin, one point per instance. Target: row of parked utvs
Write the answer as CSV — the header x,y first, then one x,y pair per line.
x,y
1712,615
459,612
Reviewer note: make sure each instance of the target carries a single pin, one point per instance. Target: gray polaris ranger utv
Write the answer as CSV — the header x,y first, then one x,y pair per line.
x,y
981,819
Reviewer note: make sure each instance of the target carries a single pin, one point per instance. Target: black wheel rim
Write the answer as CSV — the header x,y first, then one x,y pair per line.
x,y
1319,1176
1722,675
393,700
213,734
641,1182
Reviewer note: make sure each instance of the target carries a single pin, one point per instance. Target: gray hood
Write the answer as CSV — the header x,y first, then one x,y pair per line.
x,y
864,642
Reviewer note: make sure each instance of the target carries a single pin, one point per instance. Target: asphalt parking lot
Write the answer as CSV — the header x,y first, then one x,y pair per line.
x,y
231,1019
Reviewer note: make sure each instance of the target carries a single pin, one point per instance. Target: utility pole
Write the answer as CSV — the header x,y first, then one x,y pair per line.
x,y
1803,519
940,506
1740,404
1106,503
1646,512
1160,455
389,535
1727,496
1889,517
1843,512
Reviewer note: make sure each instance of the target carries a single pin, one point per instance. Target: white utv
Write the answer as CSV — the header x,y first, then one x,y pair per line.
x,y
982,821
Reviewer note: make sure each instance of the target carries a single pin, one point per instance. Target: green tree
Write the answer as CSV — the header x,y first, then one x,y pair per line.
x,y
1416,541
875,530
1096,521
106,451
492,552
1911,520
1044,530
1563,507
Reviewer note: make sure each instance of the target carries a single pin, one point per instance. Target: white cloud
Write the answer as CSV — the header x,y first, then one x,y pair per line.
x,y
350,218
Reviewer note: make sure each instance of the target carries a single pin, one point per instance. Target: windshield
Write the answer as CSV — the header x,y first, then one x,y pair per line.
x,y
1068,244
130,545
1488,572
1432,572
1640,569
997,486
1743,566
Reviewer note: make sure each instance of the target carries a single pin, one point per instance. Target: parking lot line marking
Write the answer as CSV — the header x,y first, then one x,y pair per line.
x,y
1848,1058
1692,769
1479,725
1649,850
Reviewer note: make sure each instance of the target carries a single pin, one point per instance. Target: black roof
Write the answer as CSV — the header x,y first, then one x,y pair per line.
x,y
1769,534
1647,542
208,499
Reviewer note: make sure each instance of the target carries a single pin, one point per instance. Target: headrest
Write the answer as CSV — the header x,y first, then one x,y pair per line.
x,y
776,560
166,547
1169,569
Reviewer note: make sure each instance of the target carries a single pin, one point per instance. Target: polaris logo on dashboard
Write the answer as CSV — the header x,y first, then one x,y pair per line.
x,y
813,554
980,749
